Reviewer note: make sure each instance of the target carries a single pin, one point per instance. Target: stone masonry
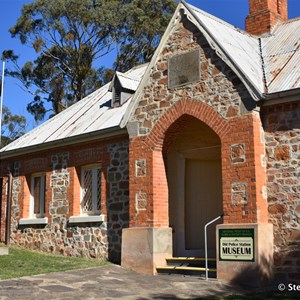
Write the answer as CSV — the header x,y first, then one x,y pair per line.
x,y
219,87
220,100
282,135
118,200
97,240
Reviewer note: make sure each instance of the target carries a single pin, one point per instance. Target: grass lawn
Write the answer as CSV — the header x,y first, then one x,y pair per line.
x,y
21,262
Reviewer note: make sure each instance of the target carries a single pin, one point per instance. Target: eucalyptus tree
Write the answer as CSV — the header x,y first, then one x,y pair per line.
x,y
13,126
72,40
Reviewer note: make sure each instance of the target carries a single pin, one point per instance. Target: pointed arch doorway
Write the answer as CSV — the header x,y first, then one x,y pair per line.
x,y
195,187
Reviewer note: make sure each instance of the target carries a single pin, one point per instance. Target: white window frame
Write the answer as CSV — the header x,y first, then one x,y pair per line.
x,y
95,186
41,214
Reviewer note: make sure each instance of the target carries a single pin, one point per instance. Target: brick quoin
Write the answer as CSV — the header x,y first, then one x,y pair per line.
x,y
153,148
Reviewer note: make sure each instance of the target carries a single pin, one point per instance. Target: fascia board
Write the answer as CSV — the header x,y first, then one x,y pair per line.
x,y
91,136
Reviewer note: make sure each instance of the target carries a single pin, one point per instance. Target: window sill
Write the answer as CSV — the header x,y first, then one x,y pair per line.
x,y
86,219
34,221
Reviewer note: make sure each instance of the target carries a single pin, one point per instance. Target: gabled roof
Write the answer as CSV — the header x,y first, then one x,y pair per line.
x,y
90,116
270,63
266,65
127,82
239,47
281,57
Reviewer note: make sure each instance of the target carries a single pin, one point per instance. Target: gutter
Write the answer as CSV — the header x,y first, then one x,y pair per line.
x,y
282,97
110,132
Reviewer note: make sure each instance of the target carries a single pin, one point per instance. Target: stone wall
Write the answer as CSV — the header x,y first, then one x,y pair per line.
x,y
282,136
218,86
219,100
97,239
118,198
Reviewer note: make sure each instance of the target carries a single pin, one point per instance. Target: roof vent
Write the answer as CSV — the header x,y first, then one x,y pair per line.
x,y
122,88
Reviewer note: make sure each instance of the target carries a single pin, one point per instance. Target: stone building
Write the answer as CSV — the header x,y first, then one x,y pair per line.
x,y
134,172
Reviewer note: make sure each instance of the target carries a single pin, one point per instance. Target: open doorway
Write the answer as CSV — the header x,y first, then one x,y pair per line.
x,y
195,188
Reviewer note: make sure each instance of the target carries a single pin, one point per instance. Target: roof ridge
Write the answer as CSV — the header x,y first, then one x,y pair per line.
x,y
279,25
127,76
291,20
217,19
137,67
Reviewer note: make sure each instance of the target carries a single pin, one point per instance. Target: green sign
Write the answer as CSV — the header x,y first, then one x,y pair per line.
x,y
236,244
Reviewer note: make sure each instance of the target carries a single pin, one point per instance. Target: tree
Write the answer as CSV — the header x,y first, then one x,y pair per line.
x,y
72,38
144,24
13,126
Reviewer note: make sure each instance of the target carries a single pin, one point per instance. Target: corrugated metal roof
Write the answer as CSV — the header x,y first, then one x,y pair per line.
x,y
93,113
242,52
128,82
272,66
281,55
242,47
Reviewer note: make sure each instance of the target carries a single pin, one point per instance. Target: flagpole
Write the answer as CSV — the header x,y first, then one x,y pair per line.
x,y
1,101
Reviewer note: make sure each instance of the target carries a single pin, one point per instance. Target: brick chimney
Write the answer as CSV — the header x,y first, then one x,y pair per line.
x,y
264,14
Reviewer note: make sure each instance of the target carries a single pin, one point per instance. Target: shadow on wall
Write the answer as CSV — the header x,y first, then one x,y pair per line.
x,y
269,273
117,200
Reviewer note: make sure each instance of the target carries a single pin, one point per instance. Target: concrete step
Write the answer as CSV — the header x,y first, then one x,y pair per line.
x,y
183,268
189,259
188,266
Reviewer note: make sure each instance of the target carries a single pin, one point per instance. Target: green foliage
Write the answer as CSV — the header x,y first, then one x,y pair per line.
x,y
21,262
71,39
13,126
144,24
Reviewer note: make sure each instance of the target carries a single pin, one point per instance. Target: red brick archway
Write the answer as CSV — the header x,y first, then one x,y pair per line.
x,y
149,189
188,107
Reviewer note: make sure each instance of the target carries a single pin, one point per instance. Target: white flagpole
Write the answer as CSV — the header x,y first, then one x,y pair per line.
x,y
1,101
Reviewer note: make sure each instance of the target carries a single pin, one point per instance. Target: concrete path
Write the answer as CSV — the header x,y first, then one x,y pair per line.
x,y
112,282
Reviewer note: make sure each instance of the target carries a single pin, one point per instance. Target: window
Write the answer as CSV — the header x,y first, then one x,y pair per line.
x,y
37,191
90,190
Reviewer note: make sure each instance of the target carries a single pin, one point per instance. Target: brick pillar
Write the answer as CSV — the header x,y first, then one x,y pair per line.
x,y
4,183
244,172
148,240
264,14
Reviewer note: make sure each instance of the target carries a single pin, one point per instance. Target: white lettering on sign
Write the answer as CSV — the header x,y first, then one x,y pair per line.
x,y
236,248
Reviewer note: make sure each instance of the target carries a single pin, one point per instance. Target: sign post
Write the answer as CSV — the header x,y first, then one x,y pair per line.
x,y
236,244
245,252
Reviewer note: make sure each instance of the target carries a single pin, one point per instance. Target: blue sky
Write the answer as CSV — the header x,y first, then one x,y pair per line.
x,y
232,11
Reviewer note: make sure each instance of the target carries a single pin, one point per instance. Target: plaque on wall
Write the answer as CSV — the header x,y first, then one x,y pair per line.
x,y
183,69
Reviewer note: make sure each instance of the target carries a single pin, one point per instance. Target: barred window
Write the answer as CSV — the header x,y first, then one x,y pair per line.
x,y
37,191
90,190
